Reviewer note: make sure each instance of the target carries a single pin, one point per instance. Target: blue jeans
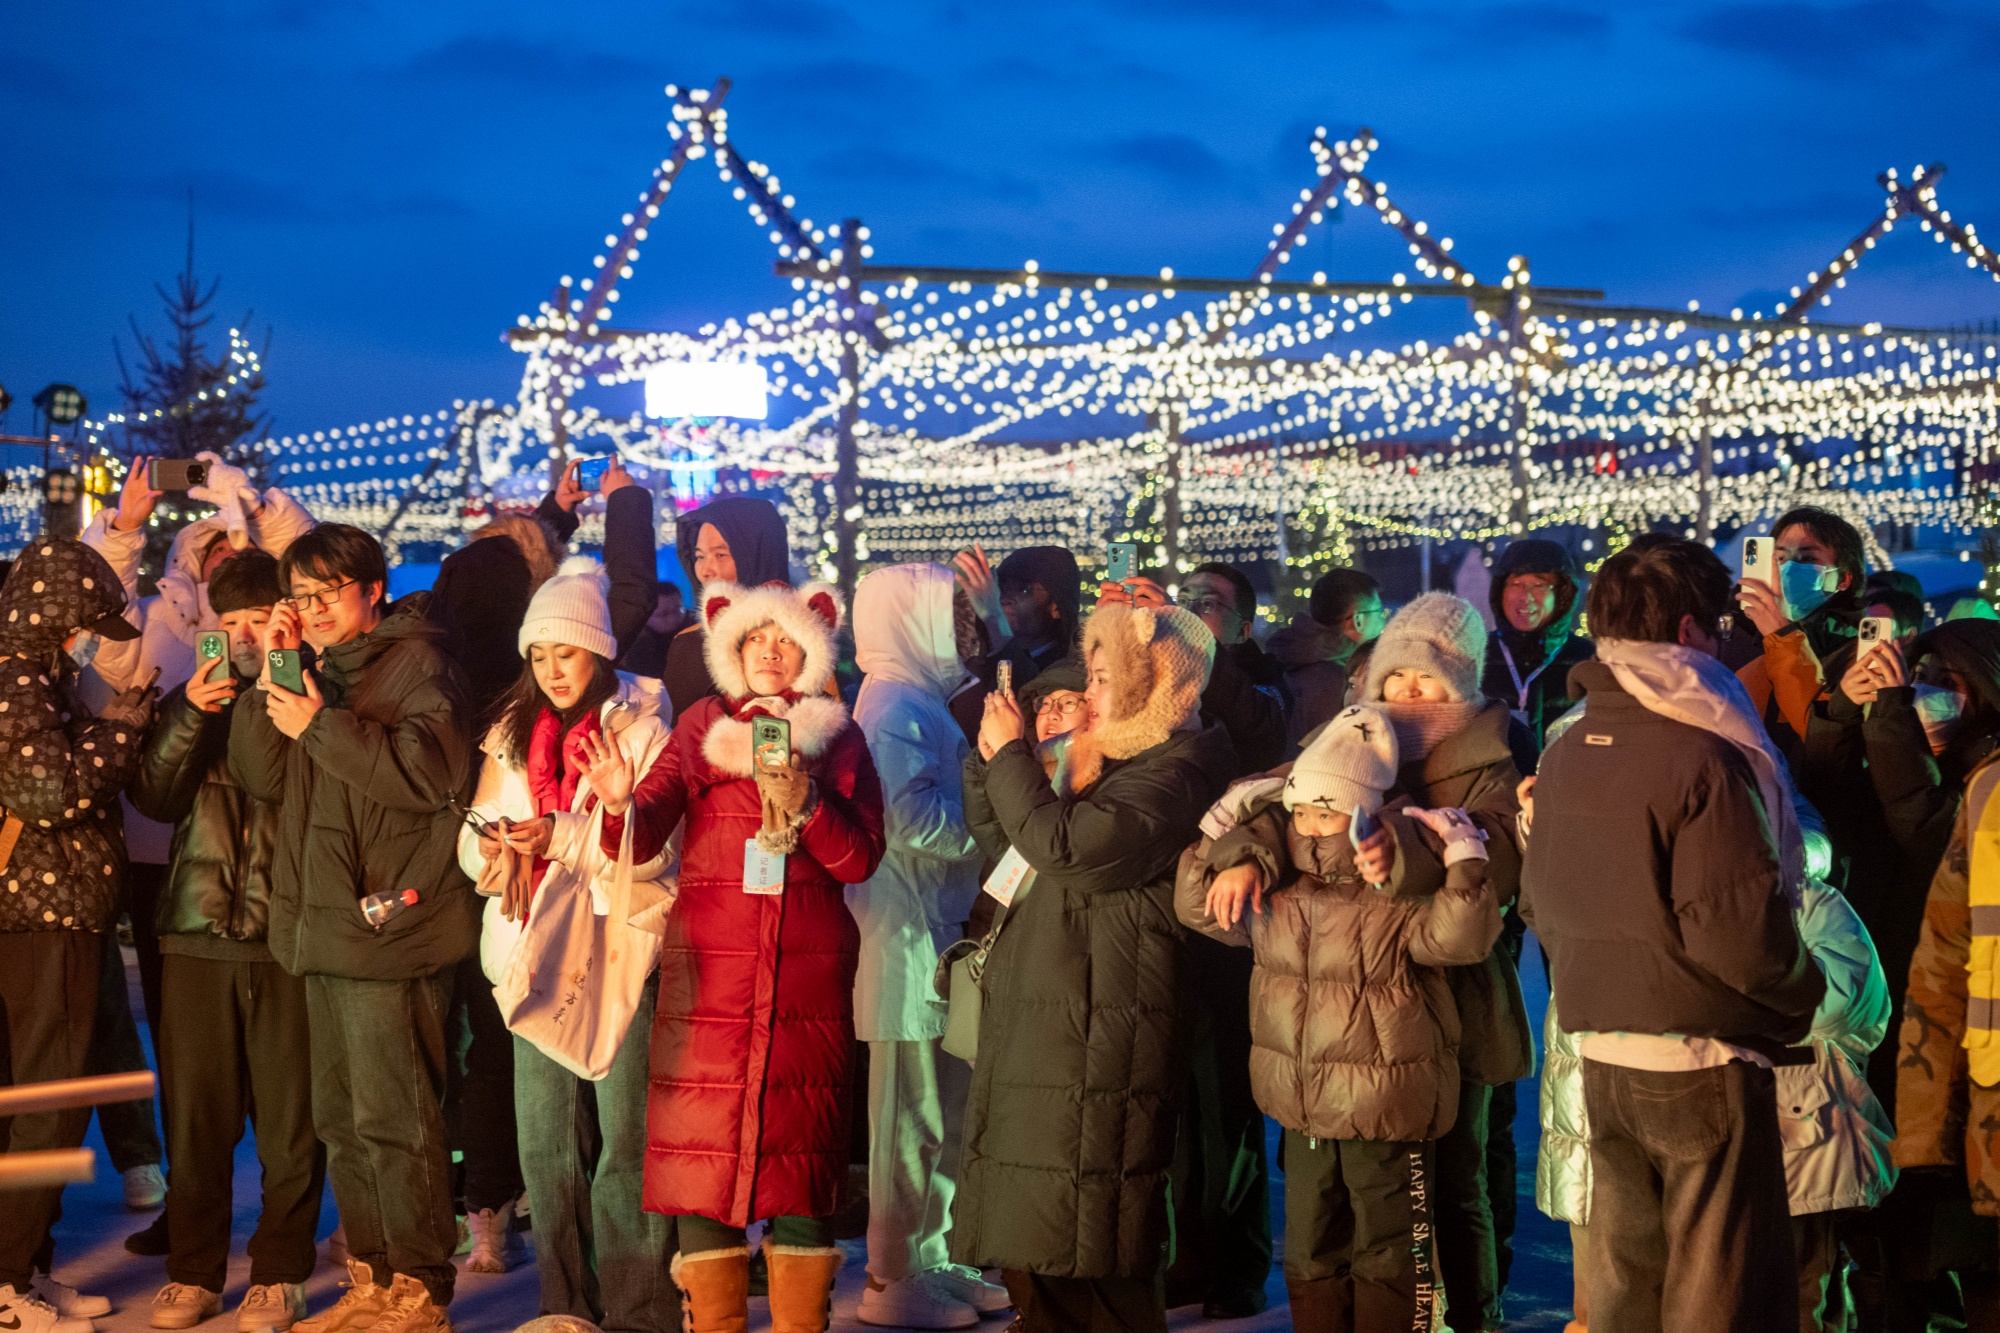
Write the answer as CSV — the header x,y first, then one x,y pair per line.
x,y
583,1155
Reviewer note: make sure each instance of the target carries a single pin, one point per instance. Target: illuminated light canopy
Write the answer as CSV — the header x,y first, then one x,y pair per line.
x,y
676,390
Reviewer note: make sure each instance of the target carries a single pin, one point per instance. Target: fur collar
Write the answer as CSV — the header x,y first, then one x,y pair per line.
x,y
816,721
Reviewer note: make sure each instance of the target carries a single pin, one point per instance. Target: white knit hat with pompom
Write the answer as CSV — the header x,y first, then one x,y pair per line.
x,y
571,608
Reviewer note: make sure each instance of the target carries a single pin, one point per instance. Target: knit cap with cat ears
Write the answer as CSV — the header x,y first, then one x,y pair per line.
x,y
730,614
1349,764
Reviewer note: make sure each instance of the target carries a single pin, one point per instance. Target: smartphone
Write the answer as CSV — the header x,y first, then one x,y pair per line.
x,y
1876,630
1760,561
287,671
590,472
1003,677
176,474
770,741
1361,827
1123,562
212,650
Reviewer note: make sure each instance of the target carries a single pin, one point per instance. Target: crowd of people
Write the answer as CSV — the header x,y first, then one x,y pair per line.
x,y
555,897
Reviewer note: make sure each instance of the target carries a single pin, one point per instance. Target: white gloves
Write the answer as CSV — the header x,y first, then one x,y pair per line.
x,y
228,488
1463,840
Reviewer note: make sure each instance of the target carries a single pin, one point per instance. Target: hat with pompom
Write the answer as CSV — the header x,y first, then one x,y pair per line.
x,y
571,608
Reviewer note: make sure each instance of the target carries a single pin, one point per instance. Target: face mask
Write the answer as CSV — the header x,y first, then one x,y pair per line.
x,y
84,648
1939,710
1806,587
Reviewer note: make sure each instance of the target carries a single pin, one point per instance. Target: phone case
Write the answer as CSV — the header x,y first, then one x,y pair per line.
x,y
1360,827
213,648
771,741
287,671
1123,561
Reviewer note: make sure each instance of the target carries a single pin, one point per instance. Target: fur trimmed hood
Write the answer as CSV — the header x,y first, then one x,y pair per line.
x,y
730,614
1159,659
815,720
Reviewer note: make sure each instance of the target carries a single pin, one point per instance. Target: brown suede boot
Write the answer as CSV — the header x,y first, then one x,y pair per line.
x,y
715,1289
801,1286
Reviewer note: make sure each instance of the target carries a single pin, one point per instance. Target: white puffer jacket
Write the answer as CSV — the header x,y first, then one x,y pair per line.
x,y
1835,1132
638,718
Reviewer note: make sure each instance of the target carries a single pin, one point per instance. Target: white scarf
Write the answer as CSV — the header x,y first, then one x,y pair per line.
x,y
1690,686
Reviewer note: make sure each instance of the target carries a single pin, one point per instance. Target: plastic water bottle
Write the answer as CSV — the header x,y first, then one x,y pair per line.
x,y
379,907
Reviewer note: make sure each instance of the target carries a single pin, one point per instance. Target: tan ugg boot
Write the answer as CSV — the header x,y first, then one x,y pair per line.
x,y
801,1286
715,1289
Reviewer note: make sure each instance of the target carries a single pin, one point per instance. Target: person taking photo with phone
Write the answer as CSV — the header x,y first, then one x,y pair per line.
x,y
366,762
753,1030
64,850
1804,619
232,1022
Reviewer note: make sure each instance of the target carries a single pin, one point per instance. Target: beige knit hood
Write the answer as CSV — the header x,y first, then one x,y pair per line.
x,y
1159,659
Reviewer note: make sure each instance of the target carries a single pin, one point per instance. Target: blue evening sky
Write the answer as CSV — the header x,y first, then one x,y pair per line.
x,y
389,184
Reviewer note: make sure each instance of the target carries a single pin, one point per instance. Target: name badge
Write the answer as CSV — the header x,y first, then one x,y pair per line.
x,y
1008,877
763,872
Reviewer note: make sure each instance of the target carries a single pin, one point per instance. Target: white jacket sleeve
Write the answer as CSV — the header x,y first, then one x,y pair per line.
x,y
501,792
117,663
923,802
279,523
1854,1015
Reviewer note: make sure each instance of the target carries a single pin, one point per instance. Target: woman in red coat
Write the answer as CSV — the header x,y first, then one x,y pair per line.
x,y
754,1030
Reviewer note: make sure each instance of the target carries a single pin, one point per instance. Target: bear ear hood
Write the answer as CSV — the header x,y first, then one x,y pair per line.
x,y
1159,659
58,585
730,613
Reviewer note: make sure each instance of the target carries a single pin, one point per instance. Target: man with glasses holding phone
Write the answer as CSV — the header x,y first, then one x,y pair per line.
x,y
365,762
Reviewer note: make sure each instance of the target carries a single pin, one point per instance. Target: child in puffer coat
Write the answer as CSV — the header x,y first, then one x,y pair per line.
x,y
1355,1033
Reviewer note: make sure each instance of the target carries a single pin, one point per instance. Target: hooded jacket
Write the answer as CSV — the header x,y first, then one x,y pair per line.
x,y
1070,1122
1315,660
758,544
61,769
1354,1029
753,1033
917,901
366,792
1541,659
172,619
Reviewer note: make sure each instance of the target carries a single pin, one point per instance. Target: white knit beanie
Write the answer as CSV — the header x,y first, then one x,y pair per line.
x,y
1349,764
1438,633
570,608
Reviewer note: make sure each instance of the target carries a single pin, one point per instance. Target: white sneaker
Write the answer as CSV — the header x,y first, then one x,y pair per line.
x,y
913,1302
272,1305
183,1305
968,1284
495,1247
27,1314
67,1301
145,1189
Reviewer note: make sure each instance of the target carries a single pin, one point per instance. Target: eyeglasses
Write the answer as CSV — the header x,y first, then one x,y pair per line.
x,y
1202,605
322,599
1069,707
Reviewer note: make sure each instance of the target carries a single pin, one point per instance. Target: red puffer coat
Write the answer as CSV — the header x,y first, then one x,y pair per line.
x,y
754,1030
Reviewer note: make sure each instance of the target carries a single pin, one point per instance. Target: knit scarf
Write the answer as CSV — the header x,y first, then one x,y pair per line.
x,y
1691,687
1420,726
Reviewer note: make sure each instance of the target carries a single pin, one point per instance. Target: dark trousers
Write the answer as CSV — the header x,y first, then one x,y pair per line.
x,y
1358,1235
1220,1179
479,1102
1465,1217
130,1136
700,1235
1088,1304
378,1076
600,1255
1689,1226
233,1042
48,991
1822,1294
1503,1185
144,882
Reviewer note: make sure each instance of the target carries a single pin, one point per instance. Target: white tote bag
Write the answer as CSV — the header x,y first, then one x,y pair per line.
x,y
575,978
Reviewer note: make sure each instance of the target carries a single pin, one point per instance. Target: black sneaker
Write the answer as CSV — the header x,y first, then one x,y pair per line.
x,y
152,1240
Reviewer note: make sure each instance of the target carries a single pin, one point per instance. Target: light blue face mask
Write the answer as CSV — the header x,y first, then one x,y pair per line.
x,y
84,648
1806,587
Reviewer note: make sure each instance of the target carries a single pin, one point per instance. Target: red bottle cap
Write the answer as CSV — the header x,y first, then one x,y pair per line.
x,y
409,897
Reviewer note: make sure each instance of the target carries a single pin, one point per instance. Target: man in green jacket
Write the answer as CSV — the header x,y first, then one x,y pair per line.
x,y
366,763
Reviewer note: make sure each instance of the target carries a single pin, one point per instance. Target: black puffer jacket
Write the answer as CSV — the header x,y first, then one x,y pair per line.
x,y
1069,1128
1557,644
60,767
365,792
217,902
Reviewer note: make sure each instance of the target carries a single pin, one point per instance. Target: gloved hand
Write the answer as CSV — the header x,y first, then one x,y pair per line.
x,y
228,488
1463,839
132,706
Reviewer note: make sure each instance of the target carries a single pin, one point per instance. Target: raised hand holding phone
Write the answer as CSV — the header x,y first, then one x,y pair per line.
x,y
1374,847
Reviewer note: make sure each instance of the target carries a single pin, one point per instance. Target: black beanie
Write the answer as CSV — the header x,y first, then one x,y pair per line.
x,y
244,581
